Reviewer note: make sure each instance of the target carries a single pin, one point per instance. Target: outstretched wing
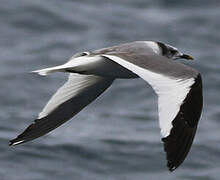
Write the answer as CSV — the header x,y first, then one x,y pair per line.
x,y
179,141
179,90
72,97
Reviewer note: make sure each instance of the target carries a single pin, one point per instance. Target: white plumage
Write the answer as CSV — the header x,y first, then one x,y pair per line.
x,y
171,92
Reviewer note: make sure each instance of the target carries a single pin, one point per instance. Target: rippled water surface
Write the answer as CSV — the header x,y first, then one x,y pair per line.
x,y
116,137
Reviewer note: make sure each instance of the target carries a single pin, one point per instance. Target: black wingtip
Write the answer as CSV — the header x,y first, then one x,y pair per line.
x,y
10,143
171,167
15,142
23,137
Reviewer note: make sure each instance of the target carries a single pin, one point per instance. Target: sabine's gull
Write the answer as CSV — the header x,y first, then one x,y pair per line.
x,y
178,87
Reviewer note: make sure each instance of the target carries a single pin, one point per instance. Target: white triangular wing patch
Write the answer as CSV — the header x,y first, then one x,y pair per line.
x,y
170,90
75,84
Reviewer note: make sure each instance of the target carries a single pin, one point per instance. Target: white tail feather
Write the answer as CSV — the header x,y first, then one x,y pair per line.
x,y
84,62
46,71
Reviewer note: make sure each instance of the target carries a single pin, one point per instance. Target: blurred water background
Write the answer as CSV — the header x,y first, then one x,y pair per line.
x,y
117,137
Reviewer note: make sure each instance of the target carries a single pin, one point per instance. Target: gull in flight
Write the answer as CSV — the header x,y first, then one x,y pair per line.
x,y
178,87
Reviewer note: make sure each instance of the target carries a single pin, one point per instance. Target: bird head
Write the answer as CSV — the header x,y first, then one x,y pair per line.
x,y
172,52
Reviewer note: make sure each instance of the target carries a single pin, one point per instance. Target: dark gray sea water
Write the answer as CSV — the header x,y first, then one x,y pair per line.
x,y
116,137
